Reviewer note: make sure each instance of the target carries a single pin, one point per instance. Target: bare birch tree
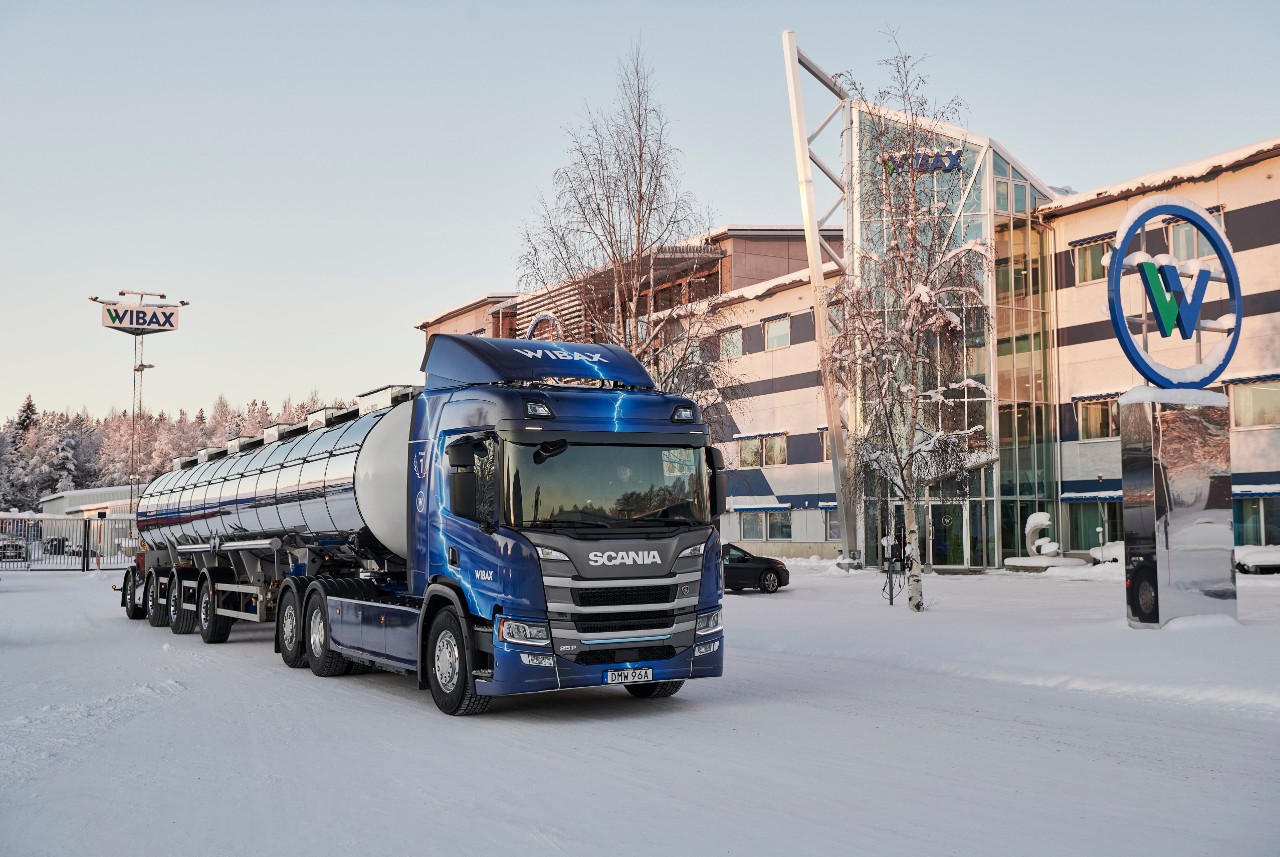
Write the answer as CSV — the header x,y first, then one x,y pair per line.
x,y
625,240
913,297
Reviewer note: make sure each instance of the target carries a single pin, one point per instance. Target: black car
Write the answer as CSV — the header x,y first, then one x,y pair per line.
x,y
744,570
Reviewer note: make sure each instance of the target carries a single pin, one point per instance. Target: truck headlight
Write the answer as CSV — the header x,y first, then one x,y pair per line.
x,y
525,633
709,648
552,553
696,550
709,622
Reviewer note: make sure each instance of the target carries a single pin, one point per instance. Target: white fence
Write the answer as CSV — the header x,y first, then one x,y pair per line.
x,y
37,542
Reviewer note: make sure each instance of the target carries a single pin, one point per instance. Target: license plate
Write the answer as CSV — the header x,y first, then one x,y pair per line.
x,y
627,676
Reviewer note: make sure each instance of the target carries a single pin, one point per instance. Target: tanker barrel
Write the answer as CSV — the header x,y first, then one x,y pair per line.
x,y
334,480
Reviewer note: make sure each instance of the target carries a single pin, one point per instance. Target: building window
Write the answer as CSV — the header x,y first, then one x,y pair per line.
x,y
824,438
1088,518
752,526
731,344
780,525
1186,242
1089,265
749,452
777,333
1257,521
835,319
775,450
831,521
1256,404
1099,420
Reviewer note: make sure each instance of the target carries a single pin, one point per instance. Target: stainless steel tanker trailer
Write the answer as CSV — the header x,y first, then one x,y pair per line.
x,y
535,517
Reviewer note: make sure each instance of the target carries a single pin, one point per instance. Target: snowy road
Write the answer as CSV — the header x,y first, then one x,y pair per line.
x,y
1017,716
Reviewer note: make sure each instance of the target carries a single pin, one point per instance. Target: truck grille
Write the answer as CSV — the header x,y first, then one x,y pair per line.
x,y
618,656
623,595
648,621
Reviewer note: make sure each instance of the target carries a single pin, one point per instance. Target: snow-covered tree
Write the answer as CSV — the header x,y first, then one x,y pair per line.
x,y
617,236
913,297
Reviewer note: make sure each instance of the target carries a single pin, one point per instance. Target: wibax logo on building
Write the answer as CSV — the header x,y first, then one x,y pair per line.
x,y
924,162
1175,292
132,317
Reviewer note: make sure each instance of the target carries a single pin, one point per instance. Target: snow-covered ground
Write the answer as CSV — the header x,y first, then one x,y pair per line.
x,y
1018,715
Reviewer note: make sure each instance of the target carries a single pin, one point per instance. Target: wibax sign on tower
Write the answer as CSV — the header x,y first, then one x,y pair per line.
x,y
1175,435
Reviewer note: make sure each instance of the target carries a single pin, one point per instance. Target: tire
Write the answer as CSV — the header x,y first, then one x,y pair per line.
x,y
157,615
769,581
289,630
1146,598
359,668
181,621
323,661
654,689
449,667
213,628
134,607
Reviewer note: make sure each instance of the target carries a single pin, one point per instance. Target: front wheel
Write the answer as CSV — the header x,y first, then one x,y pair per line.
x,y
769,581
654,689
134,608
448,670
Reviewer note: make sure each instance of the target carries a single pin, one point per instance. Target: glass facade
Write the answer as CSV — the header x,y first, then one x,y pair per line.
x,y
1006,345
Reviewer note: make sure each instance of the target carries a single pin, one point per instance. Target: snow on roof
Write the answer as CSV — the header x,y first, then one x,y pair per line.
x,y
1170,176
777,284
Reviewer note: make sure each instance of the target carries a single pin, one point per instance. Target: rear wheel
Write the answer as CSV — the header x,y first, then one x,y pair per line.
x,y
323,660
157,615
293,649
213,628
1146,602
134,608
769,581
448,667
181,620
654,689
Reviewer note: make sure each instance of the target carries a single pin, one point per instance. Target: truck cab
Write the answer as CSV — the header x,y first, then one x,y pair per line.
x,y
568,509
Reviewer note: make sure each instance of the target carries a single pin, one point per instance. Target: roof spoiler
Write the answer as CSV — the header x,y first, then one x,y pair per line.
x,y
454,360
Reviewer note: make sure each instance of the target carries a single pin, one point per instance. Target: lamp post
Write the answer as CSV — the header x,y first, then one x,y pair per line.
x,y
138,319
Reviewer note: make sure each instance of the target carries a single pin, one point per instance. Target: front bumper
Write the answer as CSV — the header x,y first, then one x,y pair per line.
x,y
512,675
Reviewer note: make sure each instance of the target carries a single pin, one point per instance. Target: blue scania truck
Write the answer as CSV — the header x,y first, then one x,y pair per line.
x,y
535,517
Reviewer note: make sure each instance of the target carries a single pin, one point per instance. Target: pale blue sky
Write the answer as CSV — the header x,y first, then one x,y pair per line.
x,y
317,177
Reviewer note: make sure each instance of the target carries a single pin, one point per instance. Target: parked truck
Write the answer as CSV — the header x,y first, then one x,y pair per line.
x,y
535,517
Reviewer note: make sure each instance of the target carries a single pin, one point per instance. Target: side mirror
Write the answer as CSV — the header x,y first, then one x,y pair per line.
x,y
462,452
462,493
719,482
462,483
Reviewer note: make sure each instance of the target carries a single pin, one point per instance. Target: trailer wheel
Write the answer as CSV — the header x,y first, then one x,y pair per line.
x,y
448,667
157,616
181,621
324,661
213,628
654,689
293,650
134,608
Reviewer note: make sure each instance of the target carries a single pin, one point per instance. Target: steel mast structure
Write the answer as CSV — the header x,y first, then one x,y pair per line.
x,y
797,65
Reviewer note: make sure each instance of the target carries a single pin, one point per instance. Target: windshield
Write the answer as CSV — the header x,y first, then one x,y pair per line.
x,y
556,483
